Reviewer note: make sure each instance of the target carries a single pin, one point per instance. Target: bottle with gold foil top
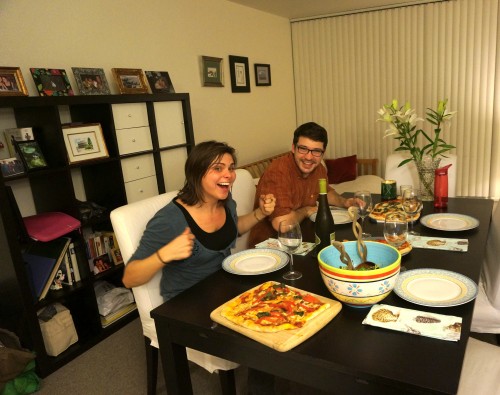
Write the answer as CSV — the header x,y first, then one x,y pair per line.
x,y
324,228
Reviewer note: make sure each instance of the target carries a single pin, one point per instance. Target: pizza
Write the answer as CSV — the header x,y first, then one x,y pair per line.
x,y
403,249
380,210
273,307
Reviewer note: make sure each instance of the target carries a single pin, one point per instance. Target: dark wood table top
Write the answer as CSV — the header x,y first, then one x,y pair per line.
x,y
345,356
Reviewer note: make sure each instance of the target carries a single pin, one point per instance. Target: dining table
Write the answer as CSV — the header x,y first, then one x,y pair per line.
x,y
345,356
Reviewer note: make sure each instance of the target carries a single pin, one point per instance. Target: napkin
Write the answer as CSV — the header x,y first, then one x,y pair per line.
x,y
439,243
304,248
422,323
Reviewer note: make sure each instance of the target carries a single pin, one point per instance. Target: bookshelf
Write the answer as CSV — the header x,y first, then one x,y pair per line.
x,y
147,137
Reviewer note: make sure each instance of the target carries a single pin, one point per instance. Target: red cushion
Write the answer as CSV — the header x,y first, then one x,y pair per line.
x,y
341,169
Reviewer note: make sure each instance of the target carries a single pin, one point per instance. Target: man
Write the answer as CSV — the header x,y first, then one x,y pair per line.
x,y
293,179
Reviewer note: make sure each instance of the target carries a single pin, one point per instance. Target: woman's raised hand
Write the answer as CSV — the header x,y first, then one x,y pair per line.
x,y
267,203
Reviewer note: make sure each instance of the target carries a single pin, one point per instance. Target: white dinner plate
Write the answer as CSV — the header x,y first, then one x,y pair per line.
x,y
435,287
255,261
340,216
449,222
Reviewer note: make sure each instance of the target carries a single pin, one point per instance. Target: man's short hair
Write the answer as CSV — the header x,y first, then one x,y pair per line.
x,y
312,131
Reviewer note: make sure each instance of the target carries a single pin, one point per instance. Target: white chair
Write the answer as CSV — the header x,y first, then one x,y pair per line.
x,y
408,175
129,223
481,369
243,192
486,318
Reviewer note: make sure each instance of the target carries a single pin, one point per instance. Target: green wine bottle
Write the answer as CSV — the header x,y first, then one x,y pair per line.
x,y
324,227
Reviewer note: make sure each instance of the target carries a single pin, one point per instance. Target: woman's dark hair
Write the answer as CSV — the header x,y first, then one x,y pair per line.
x,y
312,131
197,164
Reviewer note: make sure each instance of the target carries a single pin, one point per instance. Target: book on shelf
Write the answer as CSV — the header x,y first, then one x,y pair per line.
x,y
74,262
43,260
63,274
110,318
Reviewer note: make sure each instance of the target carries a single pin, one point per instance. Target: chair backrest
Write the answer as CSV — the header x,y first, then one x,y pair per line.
x,y
244,194
408,175
491,264
129,223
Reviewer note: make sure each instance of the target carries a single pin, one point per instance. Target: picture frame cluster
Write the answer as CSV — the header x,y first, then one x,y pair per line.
x,y
90,81
212,71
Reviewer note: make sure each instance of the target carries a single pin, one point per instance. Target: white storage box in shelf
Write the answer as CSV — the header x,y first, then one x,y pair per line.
x,y
130,115
138,167
134,140
170,123
141,189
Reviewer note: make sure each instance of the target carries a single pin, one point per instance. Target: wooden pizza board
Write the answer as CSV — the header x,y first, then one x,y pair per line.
x,y
287,339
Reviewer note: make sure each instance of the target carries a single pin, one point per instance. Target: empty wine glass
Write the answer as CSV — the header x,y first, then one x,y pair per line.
x,y
363,201
290,238
412,203
396,228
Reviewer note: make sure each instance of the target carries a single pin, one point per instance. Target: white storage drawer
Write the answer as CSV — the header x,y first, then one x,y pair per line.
x,y
130,115
134,140
141,189
138,167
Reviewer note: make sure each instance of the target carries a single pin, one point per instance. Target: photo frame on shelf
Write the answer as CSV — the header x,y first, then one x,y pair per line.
x,y
17,134
84,142
91,81
240,76
212,70
262,74
130,80
11,167
159,82
31,155
51,82
12,82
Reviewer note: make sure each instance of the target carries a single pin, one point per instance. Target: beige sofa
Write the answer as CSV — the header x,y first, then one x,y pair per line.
x,y
366,179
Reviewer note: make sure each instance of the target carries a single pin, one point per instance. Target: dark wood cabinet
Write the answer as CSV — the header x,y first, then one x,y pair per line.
x,y
147,138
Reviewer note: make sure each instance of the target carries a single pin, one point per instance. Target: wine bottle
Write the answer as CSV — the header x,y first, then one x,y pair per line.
x,y
324,227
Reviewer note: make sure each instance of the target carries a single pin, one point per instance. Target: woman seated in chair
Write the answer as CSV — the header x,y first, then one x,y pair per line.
x,y
189,238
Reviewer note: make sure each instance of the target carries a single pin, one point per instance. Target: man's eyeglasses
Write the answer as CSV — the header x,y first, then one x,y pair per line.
x,y
304,150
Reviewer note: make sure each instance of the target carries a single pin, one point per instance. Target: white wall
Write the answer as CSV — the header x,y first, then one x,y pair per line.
x,y
166,35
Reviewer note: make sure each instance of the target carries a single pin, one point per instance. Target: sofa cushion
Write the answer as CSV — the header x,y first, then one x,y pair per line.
x,y
341,169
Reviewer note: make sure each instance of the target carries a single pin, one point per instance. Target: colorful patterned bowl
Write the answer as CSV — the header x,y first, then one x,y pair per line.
x,y
360,288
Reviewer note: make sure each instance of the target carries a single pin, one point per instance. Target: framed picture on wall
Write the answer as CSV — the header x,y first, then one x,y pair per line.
x,y
52,82
212,71
11,167
91,81
240,76
84,142
130,80
12,82
262,74
159,82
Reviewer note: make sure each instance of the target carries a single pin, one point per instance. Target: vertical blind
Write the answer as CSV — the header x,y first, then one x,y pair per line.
x,y
348,67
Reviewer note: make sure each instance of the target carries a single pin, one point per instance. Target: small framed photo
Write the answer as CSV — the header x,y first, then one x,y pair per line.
x,y
159,82
240,76
116,255
212,71
262,74
101,264
11,167
91,81
130,80
84,142
52,82
31,155
12,82
17,134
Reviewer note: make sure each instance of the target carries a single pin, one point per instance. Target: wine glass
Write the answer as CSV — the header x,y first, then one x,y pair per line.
x,y
412,203
396,228
290,238
363,201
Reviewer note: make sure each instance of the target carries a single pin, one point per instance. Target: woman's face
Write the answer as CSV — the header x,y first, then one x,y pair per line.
x,y
218,179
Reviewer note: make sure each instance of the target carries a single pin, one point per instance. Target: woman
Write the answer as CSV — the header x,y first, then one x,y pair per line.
x,y
189,238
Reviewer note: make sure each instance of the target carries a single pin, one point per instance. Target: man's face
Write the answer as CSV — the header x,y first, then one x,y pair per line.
x,y
308,161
